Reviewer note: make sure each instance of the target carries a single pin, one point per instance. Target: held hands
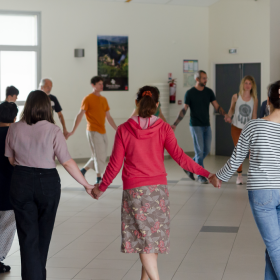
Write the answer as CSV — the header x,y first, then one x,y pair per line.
x,y
65,133
68,135
214,181
227,118
89,188
96,193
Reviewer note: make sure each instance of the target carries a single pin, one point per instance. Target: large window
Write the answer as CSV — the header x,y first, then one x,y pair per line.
x,y
20,53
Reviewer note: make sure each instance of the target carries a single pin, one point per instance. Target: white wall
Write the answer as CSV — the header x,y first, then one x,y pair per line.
x,y
243,25
160,37
274,40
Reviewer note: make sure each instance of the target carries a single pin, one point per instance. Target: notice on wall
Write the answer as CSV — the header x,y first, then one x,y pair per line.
x,y
113,62
189,80
190,66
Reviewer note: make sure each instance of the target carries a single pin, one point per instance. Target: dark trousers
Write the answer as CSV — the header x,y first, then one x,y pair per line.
x,y
35,195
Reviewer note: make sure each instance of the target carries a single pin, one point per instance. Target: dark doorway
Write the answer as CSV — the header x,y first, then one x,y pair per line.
x,y
228,78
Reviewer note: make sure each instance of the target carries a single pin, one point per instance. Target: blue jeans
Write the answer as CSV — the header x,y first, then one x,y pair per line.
x,y
265,205
202,137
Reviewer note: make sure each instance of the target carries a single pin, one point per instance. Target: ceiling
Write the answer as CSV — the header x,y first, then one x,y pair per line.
x,y
201,3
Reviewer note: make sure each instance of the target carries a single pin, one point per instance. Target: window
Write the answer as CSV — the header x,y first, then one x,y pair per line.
x,y
20,53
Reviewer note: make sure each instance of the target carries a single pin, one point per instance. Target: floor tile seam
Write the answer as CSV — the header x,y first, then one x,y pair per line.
x,y
87,231
197,236
234,240
95,257
82,211
130,268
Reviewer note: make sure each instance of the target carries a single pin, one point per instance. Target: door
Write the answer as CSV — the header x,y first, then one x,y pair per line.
x,y
228,78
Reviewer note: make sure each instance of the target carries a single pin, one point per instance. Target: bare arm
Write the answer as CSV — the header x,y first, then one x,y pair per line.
x,y
255,109
73,169
61,118
110,120
181,116
232,105
77,121
221,111
161,115
12,161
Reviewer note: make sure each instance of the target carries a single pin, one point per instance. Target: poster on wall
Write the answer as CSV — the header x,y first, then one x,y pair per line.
x,y
113,62
190,66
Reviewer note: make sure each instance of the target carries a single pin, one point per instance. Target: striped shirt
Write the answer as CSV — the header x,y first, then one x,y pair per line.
x,y
262,139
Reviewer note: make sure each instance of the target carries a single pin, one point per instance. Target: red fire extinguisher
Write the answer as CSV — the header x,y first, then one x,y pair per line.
x,y
172,90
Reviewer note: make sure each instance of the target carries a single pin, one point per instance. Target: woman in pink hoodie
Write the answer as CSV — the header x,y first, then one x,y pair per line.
x,y
139,145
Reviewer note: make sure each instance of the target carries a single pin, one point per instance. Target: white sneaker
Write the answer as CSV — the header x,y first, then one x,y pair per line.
x,y
239,181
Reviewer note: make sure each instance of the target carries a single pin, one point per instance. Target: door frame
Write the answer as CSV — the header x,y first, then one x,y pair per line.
x,y
212,111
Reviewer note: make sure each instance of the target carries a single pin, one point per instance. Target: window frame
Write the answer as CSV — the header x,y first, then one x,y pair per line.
x,y
36,48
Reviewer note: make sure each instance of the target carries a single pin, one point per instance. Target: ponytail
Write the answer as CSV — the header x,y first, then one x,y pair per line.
x,y
147,98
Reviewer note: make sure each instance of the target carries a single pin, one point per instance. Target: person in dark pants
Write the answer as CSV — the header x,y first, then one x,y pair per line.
x,y
8,113
198,100
31,146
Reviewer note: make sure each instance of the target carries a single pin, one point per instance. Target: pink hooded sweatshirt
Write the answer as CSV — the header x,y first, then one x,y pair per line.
x,y
142,153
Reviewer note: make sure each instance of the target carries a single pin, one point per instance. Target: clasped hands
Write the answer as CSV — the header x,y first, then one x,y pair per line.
x,y
214,181
96,193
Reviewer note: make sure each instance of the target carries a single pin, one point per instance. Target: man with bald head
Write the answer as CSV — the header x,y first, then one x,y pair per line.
x,y
46,86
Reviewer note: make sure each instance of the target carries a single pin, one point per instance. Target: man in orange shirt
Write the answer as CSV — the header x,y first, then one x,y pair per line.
x,y
96,109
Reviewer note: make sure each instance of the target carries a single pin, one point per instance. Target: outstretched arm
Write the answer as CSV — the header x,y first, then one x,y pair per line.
x,y
73,169
181,116
61,118
111,120
77,121
255,109
115,164
221,111
177,153
232,105
238,156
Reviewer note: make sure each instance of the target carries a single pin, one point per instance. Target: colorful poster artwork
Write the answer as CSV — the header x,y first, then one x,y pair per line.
x,y
113,62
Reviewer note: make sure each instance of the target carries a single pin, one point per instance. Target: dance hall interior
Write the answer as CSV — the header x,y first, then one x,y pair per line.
x,y
139,139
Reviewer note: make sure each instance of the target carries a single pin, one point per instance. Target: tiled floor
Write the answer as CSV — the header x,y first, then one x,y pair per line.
x,y
213,234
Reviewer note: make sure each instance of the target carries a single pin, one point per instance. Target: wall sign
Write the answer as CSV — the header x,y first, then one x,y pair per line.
x,y
190,66
113,62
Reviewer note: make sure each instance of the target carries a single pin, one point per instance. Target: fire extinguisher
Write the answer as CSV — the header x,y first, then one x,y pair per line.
x,y
172,90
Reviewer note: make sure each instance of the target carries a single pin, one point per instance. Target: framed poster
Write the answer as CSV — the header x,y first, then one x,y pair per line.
x,y
113,62
190,66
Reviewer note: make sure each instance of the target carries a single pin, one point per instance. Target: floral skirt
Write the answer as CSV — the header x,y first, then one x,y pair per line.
x,y
146,220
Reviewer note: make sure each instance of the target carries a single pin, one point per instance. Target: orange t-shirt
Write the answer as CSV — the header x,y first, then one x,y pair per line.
x,y
96,108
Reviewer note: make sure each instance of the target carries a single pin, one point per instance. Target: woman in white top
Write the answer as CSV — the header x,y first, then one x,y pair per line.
x,y
262,138
243,108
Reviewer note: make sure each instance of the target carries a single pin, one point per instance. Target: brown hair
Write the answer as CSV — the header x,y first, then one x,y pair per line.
x,y
37,108
147,98
274,94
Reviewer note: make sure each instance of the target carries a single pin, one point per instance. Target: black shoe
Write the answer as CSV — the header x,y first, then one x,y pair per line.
x,y
202,180
98,180
4,268
189,174
83,171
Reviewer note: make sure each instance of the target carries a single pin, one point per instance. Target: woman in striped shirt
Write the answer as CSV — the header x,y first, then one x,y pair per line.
x,y
262,138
